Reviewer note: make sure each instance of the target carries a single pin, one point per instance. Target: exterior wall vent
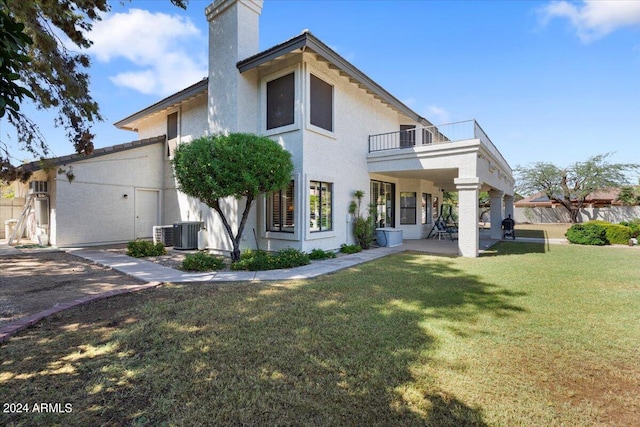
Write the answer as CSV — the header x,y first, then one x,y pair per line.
x,y
38,187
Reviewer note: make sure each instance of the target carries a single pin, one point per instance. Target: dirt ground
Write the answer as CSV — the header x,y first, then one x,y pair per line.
x,y
37,280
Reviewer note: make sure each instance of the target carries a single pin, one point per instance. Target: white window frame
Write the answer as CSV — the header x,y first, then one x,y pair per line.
x,y
296,101
327,79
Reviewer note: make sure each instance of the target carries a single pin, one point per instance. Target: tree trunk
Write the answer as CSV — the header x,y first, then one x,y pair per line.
x,y
235,238
574,212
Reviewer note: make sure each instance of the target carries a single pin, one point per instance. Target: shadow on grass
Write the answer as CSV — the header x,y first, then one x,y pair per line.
x,y
504,248
538,234
345,349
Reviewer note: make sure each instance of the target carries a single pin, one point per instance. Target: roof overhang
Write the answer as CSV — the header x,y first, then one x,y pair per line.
x,y
129,123
72,158
307,42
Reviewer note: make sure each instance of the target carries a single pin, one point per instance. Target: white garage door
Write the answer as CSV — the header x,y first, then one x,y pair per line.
x,y
147,209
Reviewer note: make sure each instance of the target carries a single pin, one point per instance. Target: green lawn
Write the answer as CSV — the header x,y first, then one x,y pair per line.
x,y
548,231
527,334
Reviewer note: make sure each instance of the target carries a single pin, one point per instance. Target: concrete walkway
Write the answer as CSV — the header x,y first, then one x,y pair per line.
x,y
152,272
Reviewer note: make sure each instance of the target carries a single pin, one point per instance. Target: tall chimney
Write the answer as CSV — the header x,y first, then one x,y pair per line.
x,y
233,36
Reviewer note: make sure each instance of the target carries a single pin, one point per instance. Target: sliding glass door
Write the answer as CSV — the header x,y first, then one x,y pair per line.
x,y
383,197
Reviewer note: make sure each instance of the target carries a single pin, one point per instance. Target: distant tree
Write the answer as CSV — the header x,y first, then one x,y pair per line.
x,y
570,186
238,165
629,195
44,69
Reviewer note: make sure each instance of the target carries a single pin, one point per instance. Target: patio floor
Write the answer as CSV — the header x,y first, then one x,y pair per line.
x,y
445,246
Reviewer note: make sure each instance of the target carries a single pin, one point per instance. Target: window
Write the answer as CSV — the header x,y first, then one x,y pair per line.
x,y
281,210
280,101
320,195
427,137
172,129
172,125
426,208
383,197
407,136
321,103
407,208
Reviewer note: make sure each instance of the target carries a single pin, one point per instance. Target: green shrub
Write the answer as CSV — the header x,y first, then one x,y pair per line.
x,y
144,248
362,232
261,260
318,254
618,234
350,249
202,262
253,261
289,258
634,225
588,233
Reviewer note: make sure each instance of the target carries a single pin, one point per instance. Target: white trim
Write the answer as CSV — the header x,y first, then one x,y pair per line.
x,y
315,235
281,235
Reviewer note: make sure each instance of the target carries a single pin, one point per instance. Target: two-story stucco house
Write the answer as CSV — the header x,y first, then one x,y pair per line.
x,y
344,132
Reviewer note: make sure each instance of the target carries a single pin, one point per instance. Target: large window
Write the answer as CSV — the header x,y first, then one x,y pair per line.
x,y
320,201
321,103
280,101
281,210
407,208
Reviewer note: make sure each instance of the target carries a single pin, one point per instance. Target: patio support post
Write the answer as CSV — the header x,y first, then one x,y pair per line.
x,y
496,214
508,206
468,233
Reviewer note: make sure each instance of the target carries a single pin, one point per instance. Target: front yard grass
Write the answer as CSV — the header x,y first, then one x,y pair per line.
x,y
524,335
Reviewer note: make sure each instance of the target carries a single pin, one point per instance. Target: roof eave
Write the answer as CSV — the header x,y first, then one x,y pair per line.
x,y
308,40
72,158
176,98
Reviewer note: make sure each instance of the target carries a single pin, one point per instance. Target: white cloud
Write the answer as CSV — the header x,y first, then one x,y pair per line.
x,y
594,19
437,115
166,52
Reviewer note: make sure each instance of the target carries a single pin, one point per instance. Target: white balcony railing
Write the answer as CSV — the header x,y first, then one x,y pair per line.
x,y
422,136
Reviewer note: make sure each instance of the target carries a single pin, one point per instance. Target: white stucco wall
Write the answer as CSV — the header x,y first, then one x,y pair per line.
x,y
92,208
340,157
192,124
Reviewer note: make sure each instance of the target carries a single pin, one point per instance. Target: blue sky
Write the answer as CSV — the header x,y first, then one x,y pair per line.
x,y
547,80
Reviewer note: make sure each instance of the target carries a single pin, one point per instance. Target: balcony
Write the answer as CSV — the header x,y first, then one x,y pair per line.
x,y
428,136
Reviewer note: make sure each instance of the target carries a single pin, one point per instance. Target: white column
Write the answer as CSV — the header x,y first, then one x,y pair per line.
x,y
496,214
508,206
468,233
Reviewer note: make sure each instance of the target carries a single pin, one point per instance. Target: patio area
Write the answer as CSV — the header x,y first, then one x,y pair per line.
x,y
445,246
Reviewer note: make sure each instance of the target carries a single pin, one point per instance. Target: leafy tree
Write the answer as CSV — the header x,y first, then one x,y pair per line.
x,y
570,186
13,43
629,195
43,68
238,165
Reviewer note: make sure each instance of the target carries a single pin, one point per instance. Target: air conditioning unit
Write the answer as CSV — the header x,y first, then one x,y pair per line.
x,y
38,187
185,234
163,234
